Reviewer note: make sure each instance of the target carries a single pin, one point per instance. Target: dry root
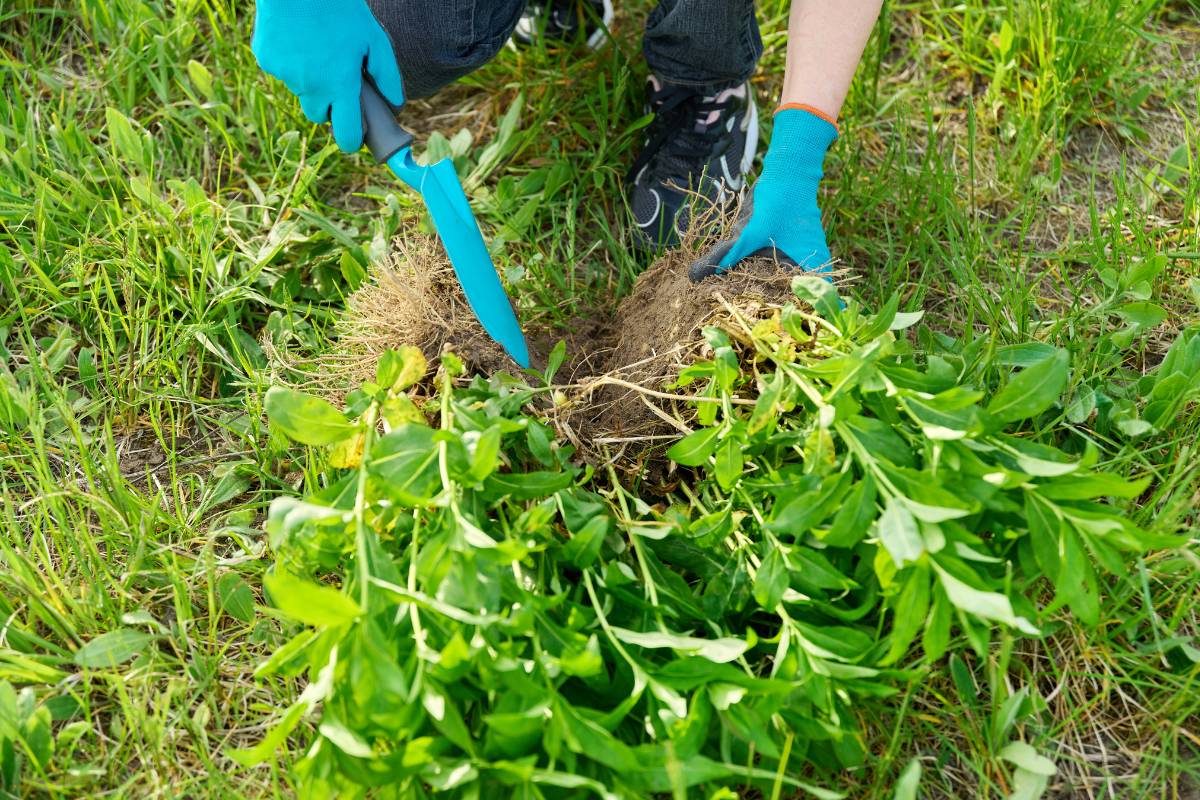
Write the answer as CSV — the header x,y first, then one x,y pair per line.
x,y
615,404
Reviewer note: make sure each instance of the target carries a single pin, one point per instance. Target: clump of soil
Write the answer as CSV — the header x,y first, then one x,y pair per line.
x,y
625,408
614,401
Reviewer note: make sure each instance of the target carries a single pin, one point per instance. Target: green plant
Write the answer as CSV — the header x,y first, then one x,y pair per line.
x,y
482,614
165,207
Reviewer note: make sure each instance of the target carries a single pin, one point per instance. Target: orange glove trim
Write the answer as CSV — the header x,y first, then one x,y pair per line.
x,y
816,112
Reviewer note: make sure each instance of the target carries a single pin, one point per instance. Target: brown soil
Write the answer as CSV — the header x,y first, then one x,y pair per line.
x,y
624,410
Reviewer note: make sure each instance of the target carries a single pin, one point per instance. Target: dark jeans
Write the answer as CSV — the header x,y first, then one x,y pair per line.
x,y
709,43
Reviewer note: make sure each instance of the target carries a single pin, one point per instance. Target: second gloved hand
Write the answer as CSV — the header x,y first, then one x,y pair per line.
x,y
782,220
319,48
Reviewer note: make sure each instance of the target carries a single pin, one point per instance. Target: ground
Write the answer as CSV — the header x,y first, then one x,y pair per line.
x,y
166,214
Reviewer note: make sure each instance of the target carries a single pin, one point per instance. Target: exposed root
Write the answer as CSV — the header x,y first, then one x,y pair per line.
x,y
615,404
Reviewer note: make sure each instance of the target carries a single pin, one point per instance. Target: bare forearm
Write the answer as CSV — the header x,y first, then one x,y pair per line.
x,y
826,39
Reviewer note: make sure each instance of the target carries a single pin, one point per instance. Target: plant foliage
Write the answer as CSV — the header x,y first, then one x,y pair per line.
x,y
481,616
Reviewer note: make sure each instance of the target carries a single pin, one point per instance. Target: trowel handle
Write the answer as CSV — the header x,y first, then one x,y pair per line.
x,y
383,135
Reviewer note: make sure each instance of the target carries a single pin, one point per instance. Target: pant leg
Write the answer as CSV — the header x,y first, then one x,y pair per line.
x,y
710,43
439,41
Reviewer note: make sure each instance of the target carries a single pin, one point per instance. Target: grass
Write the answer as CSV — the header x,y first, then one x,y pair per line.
x,y
1007,168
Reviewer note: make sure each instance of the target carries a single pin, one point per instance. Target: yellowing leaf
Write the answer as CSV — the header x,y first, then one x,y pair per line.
x,y
348,452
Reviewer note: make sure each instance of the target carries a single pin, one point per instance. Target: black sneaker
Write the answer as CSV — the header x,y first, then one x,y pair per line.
x,y
560,21
700,145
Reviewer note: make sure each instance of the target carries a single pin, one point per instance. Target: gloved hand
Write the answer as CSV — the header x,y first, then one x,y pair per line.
x,y
782,218
318,49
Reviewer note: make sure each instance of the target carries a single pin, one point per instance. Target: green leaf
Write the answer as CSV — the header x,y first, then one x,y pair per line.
x,y
126,144
112,648
771,579
909,781
201,78
1044,468
345,739
711,528
528,485
1045,533
906,319
880,323
949,415
306,419
819,293
538,438
275,738
964,681
1082,407
695,448
1092,485
767,406
1142,314
583,548
854,516
807,510
908,613
933,514
898,533
1031,391
88,374
936,636
1023,354
985,605
405,464
729,463
310,603
815,572
1076,581
487,454
583,661
235,597
588,738
657,776
557,356
1024,756
719,651
352,270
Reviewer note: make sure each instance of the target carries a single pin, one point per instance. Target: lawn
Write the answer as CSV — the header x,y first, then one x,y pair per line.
x,y
940,541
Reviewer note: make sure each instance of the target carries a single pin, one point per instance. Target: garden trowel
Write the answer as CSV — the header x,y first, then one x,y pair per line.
x,y
451,213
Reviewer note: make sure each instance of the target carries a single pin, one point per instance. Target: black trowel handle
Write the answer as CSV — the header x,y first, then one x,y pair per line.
x,y
383,135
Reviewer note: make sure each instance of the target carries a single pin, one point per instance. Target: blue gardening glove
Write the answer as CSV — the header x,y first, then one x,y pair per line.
x,y
782,218
318,48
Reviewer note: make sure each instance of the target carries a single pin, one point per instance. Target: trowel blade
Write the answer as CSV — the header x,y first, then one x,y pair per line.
x,y
456,226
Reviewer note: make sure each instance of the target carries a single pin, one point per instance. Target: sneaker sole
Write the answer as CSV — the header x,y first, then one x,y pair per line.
x,y
751,139
593,43
600,35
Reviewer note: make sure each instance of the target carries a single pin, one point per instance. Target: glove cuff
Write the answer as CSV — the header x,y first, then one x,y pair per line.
x,y
801,134
816,112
